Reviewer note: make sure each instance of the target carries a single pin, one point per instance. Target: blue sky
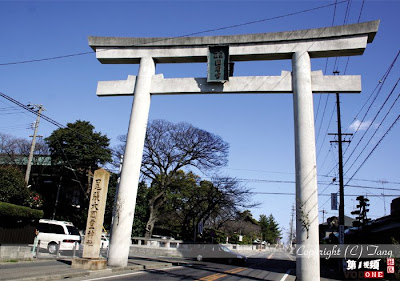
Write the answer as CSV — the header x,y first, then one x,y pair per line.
x,y
259,128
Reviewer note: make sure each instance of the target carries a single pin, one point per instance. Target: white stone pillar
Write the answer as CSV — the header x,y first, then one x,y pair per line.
x,y
126,200
307,236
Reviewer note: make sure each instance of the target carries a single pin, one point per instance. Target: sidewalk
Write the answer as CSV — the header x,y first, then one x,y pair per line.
x,y
60,269
52,269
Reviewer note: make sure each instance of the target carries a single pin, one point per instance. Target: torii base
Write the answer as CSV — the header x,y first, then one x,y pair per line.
x,y
90,264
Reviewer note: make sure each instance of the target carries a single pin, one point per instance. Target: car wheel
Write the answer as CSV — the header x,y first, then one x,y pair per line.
x,y
52,248
230,261
199,258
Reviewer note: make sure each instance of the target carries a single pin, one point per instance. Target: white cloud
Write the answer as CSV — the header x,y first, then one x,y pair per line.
x,y
359,126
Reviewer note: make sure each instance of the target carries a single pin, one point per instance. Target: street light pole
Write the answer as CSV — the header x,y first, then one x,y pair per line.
x,y
29,164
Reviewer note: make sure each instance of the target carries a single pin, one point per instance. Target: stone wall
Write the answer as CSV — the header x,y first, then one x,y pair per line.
x,y
15,253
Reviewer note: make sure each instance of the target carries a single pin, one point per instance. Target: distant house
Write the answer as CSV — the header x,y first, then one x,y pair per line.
x,y
381,230
332,226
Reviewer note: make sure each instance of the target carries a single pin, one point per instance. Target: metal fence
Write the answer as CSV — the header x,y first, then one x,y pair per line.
x,y
43,253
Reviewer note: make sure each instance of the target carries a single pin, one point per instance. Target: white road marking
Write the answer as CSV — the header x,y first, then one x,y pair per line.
x,y
286,275
133,273
290,257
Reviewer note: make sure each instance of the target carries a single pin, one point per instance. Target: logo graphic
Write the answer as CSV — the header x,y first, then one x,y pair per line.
x,y
373,274
390,265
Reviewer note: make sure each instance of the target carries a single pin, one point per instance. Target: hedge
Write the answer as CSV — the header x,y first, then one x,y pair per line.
x,y
11,210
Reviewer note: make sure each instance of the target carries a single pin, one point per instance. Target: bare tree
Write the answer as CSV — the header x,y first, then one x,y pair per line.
x,y
14,150
170,147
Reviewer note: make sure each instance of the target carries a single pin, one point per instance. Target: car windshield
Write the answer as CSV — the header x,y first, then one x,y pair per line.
x,y
72,230
225,249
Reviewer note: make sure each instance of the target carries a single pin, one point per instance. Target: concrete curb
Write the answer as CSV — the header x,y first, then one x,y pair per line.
x,y
95,273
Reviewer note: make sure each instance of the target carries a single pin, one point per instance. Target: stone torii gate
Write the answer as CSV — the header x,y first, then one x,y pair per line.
x,y
299,46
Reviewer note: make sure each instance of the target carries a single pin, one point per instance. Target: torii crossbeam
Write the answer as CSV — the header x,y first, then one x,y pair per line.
x,y
299,46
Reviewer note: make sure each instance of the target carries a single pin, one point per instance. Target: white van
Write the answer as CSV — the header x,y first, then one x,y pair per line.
x,y
53,234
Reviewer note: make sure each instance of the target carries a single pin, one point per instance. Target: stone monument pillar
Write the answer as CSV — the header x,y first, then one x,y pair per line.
x,y
94,226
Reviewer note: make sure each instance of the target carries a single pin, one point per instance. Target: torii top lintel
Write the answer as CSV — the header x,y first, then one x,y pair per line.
x,y
345,40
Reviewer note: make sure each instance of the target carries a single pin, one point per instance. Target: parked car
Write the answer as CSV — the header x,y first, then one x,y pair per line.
x,y
104,241
54,234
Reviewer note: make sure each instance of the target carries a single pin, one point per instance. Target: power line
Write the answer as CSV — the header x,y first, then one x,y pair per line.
x,y
73,170
46,118
320,175
394,123
54,123
362,107
378,87
359,17
362,6
332,183
322,118
292,194
345,21
326,157
377,181
326,67
185,35
326,132
380,124
347,13
372,122
327,59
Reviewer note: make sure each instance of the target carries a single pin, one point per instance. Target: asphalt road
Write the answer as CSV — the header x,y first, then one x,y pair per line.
x,y
32,269
277,266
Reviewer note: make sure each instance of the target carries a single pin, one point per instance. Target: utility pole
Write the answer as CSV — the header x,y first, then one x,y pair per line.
x,y
341,184
291,228
323,215
29,165
383,195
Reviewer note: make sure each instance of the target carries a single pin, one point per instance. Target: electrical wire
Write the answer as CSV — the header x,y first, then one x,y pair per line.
x,y
331,183
326,67
326,132
365,160
372,122
378,87
362,6
185,35
292,194
73,170
380,124
326,157
322,118
46,118
320,175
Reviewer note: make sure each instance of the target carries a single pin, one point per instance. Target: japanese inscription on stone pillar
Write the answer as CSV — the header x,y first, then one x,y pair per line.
x,y
94,225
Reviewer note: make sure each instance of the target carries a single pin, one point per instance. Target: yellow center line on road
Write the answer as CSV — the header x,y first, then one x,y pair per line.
x,y
220,275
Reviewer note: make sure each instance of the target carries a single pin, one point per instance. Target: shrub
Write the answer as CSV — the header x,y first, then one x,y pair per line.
x,y
12,185
11,210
